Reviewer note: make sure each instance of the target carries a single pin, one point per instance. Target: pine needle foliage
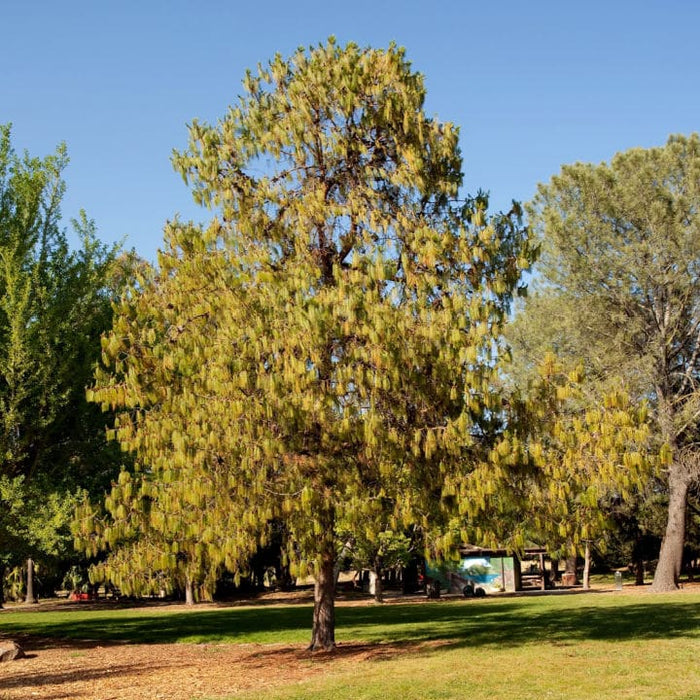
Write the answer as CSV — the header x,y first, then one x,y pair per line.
x,y
327,348
619,289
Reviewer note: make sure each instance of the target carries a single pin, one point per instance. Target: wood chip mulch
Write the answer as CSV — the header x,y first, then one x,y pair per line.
x,y
88,671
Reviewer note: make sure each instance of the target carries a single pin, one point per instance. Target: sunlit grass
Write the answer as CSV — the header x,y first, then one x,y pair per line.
x,y
596,645
576,671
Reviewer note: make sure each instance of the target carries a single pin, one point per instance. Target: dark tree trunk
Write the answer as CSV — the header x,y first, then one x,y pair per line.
x,y
638,559
189,592
30,598
378,585
2,586
323,631
556,576
409,577
285,580
668,569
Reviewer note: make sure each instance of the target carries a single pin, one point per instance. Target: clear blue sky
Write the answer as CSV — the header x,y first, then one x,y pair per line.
x,y
532,85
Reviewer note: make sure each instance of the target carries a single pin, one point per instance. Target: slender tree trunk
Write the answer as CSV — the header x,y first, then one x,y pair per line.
x,y
189,591
378,588
323,631
30,598
668,569
587,567
3,572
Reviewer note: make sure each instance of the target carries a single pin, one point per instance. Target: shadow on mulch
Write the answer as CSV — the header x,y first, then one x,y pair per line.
x,y
31,642
31,679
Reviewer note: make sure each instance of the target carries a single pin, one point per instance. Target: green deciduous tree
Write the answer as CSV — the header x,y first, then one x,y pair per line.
x,y
331,339
54,304
380,551
620,289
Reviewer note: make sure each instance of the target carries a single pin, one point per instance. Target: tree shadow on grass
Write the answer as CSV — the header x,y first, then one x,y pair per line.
x,y
510,624
494,622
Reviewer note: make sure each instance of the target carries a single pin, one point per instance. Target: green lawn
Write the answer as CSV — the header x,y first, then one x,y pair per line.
x,y
596,645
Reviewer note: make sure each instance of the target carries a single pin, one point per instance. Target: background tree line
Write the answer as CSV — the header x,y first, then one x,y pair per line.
x,y
54,305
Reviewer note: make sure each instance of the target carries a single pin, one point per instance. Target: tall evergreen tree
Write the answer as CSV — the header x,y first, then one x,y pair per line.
x,y
334,334
620,289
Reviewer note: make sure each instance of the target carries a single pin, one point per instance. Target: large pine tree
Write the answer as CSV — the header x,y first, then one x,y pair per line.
x,y
326,349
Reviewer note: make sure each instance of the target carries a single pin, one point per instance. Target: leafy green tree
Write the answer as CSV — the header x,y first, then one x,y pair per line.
x,y
54,303
619,287
332,337
163,535
380,551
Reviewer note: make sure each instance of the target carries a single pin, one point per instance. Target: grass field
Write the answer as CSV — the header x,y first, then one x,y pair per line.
x,y
595,645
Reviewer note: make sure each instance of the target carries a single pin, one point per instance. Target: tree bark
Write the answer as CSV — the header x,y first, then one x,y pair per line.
x,y
668,569
587,567
30,598
323,631
378,572
189,592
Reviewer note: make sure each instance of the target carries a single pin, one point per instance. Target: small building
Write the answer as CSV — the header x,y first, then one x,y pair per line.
x,y
493,570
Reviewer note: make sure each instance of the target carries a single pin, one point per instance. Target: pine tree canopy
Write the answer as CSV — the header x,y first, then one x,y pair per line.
x,y
327,348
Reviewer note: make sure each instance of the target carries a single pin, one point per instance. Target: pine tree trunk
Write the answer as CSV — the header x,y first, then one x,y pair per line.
x,y
587,567
189,592
668,569
323,631
30,598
